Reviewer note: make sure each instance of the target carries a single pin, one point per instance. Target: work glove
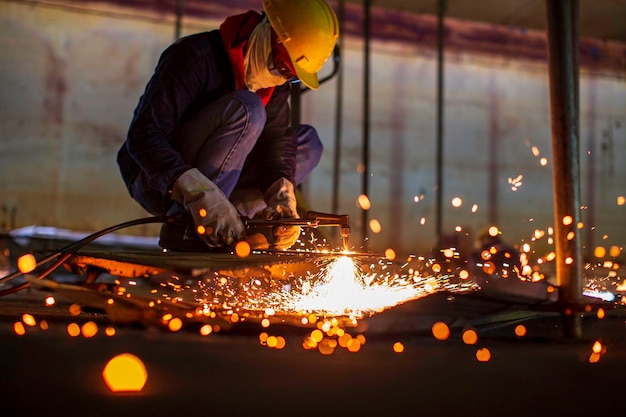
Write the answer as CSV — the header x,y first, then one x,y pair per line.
x,y
281,203
217,221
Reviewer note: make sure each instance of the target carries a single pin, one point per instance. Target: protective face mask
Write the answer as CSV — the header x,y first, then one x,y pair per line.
x,y
257,75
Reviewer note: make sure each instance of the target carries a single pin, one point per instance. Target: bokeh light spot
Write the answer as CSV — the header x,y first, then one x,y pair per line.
x,y
26,263
242,249
73,329
470,336
206,330
317,335
441,331
363,202
272,341
483,355
375,226
398,347
74,309
597,347
354,345
175,324
599,252
29,320
89,329
125,373
18,328
280,342
615,251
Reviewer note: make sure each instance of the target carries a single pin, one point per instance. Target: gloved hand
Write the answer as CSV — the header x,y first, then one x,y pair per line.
x,y
217,221
281,203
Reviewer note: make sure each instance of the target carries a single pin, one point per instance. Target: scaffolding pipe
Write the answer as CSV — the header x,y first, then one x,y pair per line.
x,y
562,20
366,113
338,117
178,25
441,8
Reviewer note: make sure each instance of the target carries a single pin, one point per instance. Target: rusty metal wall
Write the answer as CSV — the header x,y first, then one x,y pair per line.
x,y
70,78
493,108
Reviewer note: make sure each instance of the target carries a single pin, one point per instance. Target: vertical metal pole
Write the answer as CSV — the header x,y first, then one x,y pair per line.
x,y
441,7
591,171
338,117
563,63
492,164
366,113
180,5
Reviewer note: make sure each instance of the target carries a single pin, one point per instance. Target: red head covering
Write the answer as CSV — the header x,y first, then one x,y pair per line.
x,y
235,32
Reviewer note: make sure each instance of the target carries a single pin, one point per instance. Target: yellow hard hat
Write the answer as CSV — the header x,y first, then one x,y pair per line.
x,y
308,29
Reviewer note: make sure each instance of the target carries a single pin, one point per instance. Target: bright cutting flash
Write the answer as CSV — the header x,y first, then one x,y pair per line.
x,y
340,288
344,291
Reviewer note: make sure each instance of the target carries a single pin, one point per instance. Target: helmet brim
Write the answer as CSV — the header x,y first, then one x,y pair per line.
x,y
307,78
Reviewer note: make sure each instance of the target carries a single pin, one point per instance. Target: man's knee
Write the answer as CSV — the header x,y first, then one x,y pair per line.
x,y
251,103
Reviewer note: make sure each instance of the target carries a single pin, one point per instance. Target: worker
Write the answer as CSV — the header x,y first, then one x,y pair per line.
x,y
210,139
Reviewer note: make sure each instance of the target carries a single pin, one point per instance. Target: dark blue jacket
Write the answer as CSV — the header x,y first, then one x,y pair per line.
x,y
190,74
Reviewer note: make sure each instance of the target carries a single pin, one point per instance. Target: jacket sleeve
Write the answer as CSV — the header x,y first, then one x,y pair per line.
x,y
276,148
176,82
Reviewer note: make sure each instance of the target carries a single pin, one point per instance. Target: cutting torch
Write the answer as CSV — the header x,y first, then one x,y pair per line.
x,y
312,219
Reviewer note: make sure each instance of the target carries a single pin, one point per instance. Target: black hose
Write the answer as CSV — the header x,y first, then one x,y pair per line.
x,y
70,249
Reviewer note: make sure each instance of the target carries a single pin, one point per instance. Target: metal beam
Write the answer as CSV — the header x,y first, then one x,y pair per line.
x,y
441,9
563,23
338,116
178,25
366,114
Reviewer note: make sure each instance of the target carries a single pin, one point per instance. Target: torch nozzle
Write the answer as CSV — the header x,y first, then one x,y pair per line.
x,y
344,230
341,220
